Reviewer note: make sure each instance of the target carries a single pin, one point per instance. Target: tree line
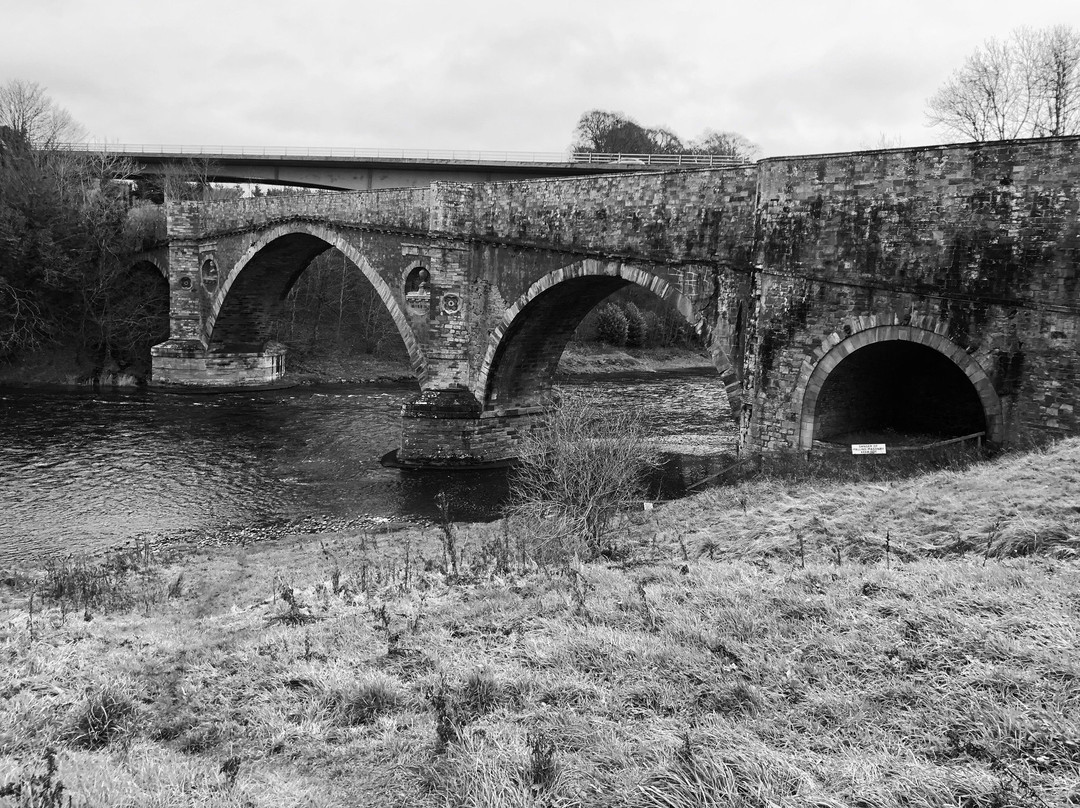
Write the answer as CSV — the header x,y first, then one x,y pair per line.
x,y
65,238
604,132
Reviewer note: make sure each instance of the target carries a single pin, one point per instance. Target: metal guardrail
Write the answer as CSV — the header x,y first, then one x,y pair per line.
x,y
416,155
684,160
975,436
837,448
329,152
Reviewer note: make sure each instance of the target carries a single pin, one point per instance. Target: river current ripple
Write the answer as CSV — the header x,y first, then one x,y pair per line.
x,y
81,471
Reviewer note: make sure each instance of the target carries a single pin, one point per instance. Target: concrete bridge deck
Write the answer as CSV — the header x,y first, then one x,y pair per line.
x,y
371,169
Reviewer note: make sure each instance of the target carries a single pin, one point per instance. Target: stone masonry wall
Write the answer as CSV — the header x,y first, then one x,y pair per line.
x,y
405,209
977,244
983,239
703,216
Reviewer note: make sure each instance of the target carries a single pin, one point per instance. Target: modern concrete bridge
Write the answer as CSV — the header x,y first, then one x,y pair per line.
x,y
372,169
931,290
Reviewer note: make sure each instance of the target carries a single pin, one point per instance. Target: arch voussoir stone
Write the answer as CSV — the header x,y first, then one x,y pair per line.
x,y
159,263
926,331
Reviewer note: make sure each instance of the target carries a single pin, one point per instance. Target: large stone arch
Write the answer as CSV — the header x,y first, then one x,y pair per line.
x,y
525,341
328,238
156,261
865,331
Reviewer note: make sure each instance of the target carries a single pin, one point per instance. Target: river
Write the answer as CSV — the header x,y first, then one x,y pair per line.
x,y
84,470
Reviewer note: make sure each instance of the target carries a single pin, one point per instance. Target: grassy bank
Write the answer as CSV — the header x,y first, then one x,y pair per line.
x,y
779,643
593,358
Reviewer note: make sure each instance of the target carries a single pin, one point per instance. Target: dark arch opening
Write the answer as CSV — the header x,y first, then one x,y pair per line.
x,y
304,293
135,319
254,301
896,388
523,368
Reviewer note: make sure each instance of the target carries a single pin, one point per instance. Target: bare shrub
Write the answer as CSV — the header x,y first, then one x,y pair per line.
x,y
577,470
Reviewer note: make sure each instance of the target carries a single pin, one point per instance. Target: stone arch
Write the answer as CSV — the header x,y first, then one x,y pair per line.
x,y
317,239
524,335
866,331
153,260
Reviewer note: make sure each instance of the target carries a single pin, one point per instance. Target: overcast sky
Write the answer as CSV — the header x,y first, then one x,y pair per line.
x,y
794,76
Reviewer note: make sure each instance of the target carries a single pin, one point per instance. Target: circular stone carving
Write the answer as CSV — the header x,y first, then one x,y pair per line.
x,y
185,282
451,303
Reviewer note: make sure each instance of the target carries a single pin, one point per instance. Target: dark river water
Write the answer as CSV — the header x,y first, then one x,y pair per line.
x,y
81,471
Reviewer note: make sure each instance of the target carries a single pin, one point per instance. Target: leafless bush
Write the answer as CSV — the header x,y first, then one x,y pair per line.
x,y
578,469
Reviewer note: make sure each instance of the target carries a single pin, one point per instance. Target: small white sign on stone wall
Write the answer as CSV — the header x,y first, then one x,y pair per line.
x,y
867,448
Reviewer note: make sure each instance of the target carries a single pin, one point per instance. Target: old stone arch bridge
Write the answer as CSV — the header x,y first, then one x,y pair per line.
x,y
926,290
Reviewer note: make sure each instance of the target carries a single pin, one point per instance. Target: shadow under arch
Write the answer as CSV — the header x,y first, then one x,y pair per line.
x,y
912,344
133,315
241,308
524,348
143,260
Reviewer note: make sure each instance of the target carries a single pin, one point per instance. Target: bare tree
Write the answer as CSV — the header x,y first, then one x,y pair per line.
x,y
36,118
64,241
1025,86
665,141
730,144
1055,74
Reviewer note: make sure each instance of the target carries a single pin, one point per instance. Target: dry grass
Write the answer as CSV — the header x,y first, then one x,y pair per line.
x,y
945,673
1017,505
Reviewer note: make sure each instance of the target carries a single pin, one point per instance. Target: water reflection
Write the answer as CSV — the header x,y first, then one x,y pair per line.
x,y
81,470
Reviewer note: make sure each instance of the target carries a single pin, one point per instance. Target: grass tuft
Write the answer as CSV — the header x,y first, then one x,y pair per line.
x,y
361,702
107,715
